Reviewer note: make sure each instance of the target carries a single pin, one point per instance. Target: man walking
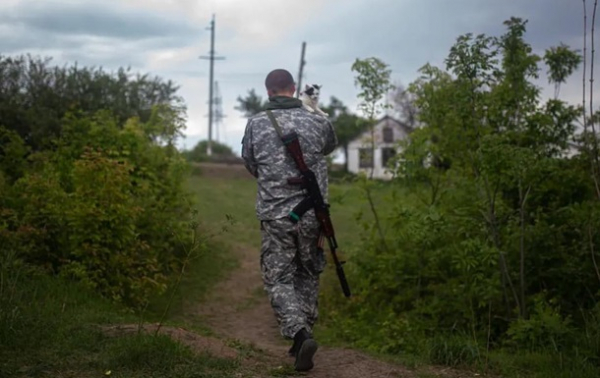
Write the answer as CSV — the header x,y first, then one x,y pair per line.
x,y
290,260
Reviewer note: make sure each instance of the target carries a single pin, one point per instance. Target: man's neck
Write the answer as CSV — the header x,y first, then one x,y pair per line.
x,y
283,102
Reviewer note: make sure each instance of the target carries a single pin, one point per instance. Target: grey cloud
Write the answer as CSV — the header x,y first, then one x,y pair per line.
x,y
70,51
97,19
69,26
409,34
32,40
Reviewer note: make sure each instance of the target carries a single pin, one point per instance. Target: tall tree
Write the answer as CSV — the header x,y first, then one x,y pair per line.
x,y
403,105
562,61
373,79
251,104
347,125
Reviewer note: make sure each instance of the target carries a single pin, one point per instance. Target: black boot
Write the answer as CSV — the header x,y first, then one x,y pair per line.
x,y
293,350
304,348
299,338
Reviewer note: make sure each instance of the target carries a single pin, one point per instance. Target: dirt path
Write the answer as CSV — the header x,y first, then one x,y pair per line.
x,y
238,309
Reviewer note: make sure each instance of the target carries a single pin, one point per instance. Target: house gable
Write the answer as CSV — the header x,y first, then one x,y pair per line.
x,y
363,158
387,132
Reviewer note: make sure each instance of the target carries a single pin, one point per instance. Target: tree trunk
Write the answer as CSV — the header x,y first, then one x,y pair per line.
x,y
345,146
522,200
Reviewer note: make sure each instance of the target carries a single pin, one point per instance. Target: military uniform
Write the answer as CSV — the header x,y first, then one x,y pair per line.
x,y
290,260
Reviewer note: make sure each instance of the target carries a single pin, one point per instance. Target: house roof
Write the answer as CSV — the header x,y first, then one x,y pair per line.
x,y
403,125
385,119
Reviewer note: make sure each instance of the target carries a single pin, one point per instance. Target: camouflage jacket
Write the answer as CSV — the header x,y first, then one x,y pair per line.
x,y
267,159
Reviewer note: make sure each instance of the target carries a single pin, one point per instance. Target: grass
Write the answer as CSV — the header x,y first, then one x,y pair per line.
x,y
223,197
56,334
204,271
220,199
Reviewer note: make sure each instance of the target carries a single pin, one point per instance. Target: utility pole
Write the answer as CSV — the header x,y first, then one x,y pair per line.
x,y
212,59
218,110
302,63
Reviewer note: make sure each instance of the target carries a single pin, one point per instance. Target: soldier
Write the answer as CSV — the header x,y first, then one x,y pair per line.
x,y
290,259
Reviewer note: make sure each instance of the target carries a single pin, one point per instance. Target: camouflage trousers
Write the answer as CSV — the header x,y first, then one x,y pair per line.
x,y
291,264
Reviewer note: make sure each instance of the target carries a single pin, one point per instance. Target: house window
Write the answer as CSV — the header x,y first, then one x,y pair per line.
x,y
388,135
386,155
365,156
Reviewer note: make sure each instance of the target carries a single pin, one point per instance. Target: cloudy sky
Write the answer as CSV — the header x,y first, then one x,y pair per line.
x,y
166,38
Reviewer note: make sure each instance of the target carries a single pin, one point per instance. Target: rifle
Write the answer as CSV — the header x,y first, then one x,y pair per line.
x,y
314,198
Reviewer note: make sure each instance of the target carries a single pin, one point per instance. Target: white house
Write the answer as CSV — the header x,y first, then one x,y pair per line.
x,y
387,132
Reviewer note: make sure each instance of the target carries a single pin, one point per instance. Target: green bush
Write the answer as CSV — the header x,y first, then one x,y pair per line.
x,y
106,206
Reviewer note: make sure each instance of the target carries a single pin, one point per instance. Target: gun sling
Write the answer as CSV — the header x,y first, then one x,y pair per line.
x,y
314,199
307,203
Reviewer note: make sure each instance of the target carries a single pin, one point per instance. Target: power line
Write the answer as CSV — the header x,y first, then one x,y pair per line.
x,y
212,59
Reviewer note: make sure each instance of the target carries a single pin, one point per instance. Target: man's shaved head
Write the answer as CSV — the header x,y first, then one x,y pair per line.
x,y
280,82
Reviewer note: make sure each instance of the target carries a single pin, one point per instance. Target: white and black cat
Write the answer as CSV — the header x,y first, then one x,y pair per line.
x,y
310,99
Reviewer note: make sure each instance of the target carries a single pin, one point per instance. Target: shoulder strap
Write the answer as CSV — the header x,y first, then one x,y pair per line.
x,y
275,124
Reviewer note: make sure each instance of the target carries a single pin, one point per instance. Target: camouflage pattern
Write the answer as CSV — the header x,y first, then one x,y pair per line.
x,y
291,264
290,259
267,159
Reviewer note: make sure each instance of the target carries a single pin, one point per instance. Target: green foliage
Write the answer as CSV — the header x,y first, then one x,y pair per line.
x,y
493,250
373,78
35,97
105,207
12,155
103,199
347,125
251,104
561,62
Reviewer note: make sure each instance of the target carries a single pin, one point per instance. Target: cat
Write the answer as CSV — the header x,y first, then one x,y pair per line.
x,y
310,99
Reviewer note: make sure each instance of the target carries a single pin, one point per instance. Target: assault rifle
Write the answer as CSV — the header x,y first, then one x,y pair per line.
x,y
314,199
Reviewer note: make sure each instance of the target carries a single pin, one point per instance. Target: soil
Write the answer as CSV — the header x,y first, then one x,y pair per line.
x,y
239,309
